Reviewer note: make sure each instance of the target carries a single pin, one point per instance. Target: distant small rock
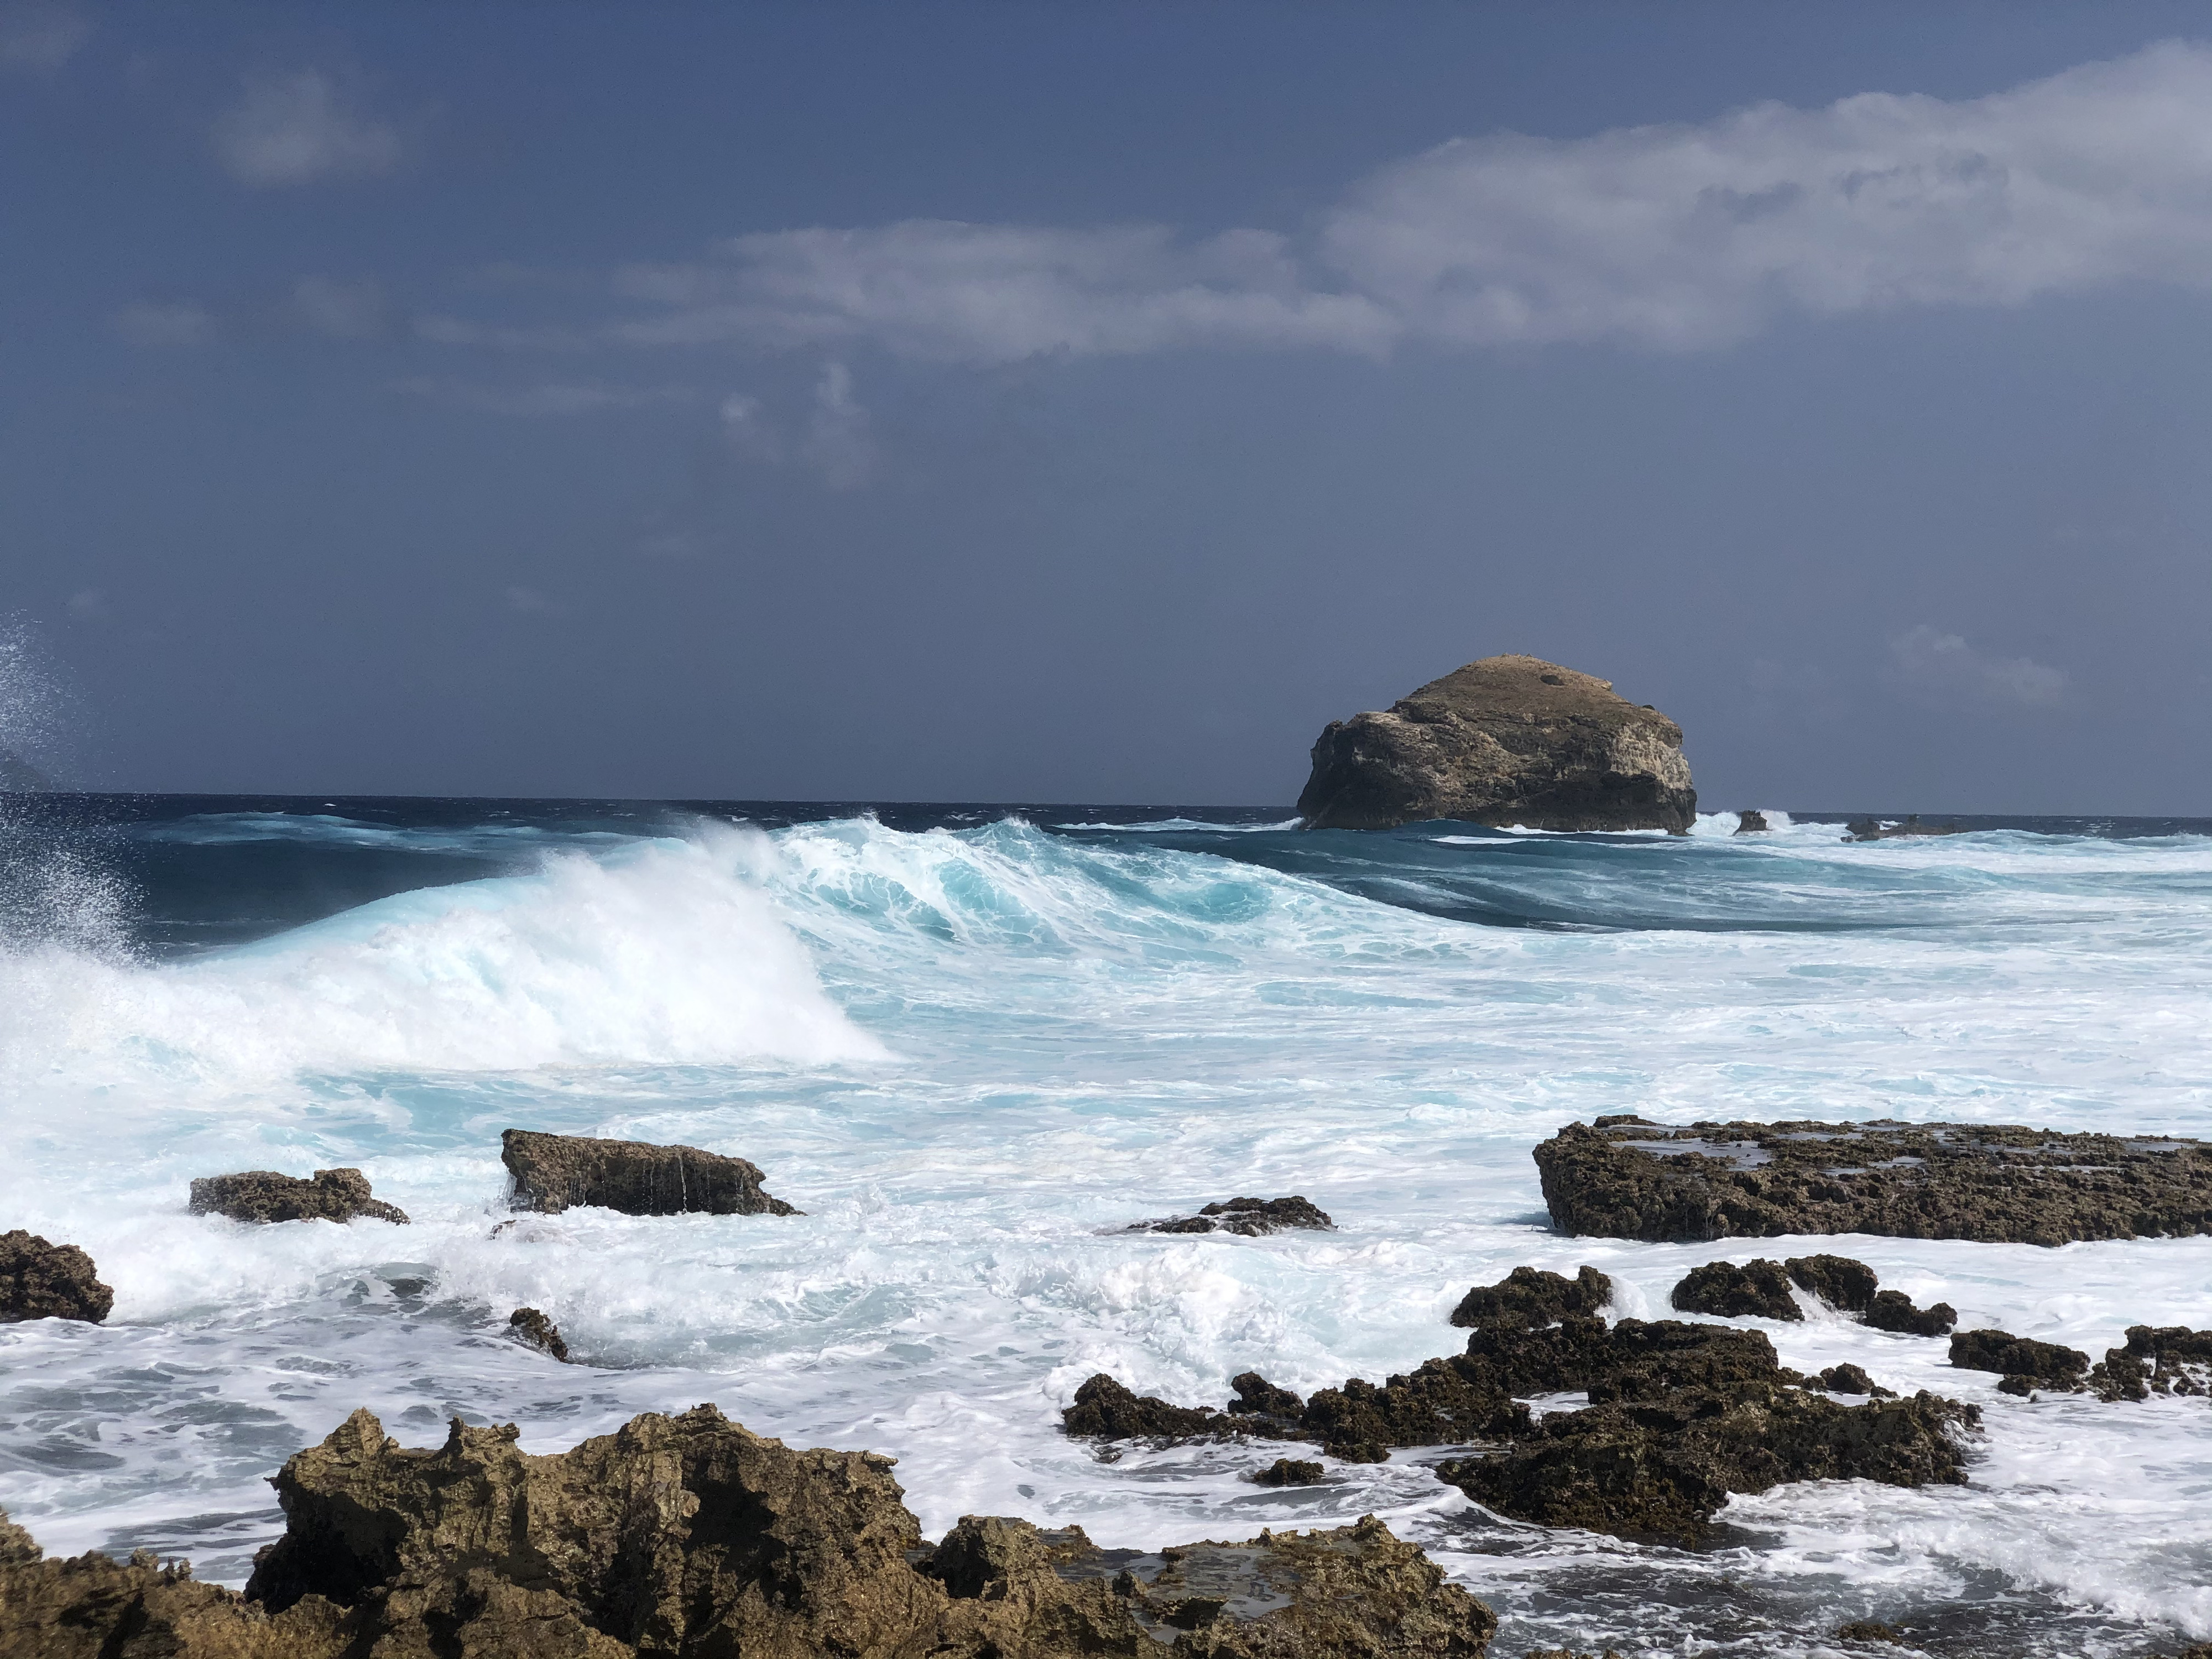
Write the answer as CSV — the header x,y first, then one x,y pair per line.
x,y
1870,1630
536,1330
1249,1217
1289,1472
1752,823
552,1172
2166,1359
39,1280
264,1195
1876,830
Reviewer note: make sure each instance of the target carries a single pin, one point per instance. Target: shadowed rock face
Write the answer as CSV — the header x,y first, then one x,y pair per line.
x,y
552,1172
1761,1290
39,1280
1628,1179
265,1195
1507,740
529,1325
2024,1363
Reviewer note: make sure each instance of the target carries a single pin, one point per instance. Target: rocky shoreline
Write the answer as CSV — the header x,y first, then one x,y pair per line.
x,y
690,1535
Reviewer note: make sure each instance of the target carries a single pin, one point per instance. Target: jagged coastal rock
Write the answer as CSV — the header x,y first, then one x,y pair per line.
x,y
40,1280
1622,1177
689,1537
1250,1217
552,1172
1505,741
533,1329
1681,1416
1761,1289
1531,1297
264,1195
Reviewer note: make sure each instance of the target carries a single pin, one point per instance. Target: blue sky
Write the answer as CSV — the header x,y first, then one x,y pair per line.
x,y
1090,402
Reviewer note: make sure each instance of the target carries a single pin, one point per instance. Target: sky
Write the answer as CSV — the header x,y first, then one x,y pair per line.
x,y
1088,403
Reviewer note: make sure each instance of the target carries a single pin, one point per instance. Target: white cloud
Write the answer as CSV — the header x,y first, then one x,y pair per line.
x,y
836,440
293,129
41,38
344,311
1673,237
1930,661
165,323
935,289
580,397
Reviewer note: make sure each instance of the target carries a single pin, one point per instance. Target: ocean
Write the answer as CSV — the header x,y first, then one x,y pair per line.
x,y
973,1044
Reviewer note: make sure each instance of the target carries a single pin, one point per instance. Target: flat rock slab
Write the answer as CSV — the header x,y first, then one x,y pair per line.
x,y
264,1195
1624,1178
552,1172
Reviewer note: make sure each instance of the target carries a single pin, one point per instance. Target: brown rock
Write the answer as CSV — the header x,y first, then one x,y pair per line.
x,y
552,1172
689,1537
264,1195
92,1606
1994,1183
2167,1359
38,1280
1506,740
1848,1378
1749,823
535,1329
1289,1472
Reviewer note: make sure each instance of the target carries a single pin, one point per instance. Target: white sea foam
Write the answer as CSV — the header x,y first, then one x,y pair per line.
x,y
972,1058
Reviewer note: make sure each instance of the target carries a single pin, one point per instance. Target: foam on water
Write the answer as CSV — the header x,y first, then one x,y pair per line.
x,y
973,1057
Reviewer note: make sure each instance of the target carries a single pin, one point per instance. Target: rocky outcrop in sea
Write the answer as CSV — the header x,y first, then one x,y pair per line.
x,y
1248,1218
1505,741
42,1280
264,1195
1623,1177
552,1172
689,1537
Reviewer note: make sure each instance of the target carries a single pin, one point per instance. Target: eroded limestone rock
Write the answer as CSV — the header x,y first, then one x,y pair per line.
x,y
41,1280
552,1172
1530,1296
1506,740
1624,1178
264,1195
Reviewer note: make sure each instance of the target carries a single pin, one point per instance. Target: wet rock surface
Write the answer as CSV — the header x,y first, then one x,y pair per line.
x,y
1529,1296
1848,1378
1903,830
1752,822
2164,1359
533,1329
1681,1416
1505,740
1661,1467
2024,1363
1761,1289
44,1280
553,1172
264,1195
1252,1218
1756,1290
1623,1178
1289,1472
